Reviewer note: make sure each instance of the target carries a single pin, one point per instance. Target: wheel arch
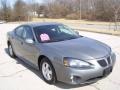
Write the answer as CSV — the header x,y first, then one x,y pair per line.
x,y
40,59
8,42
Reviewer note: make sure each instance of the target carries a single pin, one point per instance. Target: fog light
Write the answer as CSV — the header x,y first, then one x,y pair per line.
x,y
75,79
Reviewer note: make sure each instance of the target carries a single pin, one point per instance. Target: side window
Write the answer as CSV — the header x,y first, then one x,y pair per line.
x,y
19,31
27,34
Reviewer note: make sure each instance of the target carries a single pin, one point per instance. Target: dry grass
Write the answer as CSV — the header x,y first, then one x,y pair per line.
x,y
74,24
70,21
110,32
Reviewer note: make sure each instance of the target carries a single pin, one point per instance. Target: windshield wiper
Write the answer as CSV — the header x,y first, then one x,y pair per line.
x,y
50,41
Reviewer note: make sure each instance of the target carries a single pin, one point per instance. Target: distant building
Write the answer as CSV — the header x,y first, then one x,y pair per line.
x,y
34,14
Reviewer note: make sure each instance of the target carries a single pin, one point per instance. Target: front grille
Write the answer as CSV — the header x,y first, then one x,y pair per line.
x,y
102,63
105,62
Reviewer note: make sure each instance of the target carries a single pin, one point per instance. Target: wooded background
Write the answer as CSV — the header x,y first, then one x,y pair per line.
x,y
94,10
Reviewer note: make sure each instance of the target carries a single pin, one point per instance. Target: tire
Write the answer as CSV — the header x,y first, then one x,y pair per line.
x,y
10,51
48,71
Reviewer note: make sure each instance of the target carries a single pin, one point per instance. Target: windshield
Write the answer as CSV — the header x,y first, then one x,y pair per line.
x,y
54,33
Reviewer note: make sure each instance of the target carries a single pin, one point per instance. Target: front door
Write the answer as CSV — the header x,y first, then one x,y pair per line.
x,y
29,50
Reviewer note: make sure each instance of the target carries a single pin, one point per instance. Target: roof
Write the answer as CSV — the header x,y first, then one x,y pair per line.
x,y
35,24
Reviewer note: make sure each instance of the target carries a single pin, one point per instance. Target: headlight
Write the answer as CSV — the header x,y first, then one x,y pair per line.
x,y
71,62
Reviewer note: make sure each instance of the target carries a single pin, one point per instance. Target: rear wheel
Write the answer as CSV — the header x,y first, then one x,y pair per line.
x,y
47,71
10,51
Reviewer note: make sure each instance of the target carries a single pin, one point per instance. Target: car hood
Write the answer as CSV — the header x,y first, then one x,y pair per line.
x,y
82,48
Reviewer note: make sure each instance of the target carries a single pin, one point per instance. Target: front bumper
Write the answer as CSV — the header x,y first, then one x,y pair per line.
x,y
81,76
85,76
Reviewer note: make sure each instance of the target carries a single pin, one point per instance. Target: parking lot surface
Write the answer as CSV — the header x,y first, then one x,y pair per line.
x,y
16,75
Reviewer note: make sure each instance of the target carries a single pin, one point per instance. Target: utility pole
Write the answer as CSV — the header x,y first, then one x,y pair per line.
x,y
80,10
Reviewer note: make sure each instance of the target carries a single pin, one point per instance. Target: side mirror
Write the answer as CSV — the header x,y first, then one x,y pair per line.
x,y
29,41
77,32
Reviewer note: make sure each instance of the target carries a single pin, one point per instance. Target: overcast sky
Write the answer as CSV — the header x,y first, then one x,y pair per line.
x,y
11,2
28,1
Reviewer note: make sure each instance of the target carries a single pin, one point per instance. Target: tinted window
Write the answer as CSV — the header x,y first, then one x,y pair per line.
x,y
27,34
19,31
54,33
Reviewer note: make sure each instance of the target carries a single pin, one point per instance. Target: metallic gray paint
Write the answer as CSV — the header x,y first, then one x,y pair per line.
x,y
82,48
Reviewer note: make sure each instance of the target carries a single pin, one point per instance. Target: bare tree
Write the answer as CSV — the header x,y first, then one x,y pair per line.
x,y
0,13
60,8
20,10
5,10
40,10
114,6
104,10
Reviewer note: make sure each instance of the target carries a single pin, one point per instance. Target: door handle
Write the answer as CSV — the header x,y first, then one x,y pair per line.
x,y
12,37
21,43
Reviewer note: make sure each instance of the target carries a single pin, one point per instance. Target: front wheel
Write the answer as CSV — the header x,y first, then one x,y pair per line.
x,y
10,51
47,71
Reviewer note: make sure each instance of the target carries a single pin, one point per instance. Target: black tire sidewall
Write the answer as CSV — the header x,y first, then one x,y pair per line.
x,y
53,80
13,56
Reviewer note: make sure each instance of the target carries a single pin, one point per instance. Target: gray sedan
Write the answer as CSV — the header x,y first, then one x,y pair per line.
x,y
60,53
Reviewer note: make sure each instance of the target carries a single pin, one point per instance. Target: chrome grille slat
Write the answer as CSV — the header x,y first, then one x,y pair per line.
x,y
102,63
105,62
